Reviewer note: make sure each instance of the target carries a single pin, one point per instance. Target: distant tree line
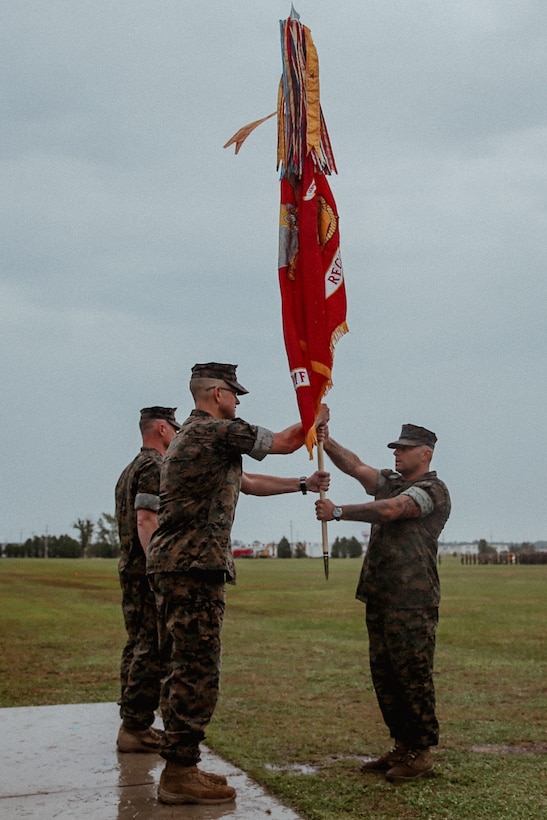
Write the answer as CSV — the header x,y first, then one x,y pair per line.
x,y
95,540
346,548
100,540
285,550
341,548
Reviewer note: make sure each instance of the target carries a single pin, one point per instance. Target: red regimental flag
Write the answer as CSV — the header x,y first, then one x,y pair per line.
x,y
312,286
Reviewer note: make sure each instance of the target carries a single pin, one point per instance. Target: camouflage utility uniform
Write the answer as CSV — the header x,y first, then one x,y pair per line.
x,y
400,585
189,561
138,488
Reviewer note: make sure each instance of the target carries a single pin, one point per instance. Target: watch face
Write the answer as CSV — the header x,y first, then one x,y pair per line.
x,y
337,513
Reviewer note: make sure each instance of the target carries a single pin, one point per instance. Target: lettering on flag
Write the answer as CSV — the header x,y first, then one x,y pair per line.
x,y
334,277
300,377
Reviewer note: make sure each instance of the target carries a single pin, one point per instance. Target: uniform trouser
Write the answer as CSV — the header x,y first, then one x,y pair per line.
x,y
140,674
190,613
401,650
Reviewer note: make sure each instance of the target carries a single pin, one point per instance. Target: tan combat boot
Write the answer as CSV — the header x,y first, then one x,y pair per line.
x,y
186,784
216,778
417,763
144,740
388,761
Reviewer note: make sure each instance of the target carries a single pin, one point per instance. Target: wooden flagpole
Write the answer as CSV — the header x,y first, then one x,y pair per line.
x,y
324,533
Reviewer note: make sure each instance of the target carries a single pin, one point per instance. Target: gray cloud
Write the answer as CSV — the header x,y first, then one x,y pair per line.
x,y
134,246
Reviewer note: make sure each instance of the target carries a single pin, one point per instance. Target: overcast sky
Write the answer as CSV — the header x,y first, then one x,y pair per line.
x,y
133,245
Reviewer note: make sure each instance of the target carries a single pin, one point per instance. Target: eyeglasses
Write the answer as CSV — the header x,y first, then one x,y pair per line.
x,y
228,389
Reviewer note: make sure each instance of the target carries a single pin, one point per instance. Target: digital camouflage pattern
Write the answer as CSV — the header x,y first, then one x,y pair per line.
x,y
140,672
189,559
412,436
400,566
139,669
190,615
142,478
166,413
401,652
400,584
216,370
200,484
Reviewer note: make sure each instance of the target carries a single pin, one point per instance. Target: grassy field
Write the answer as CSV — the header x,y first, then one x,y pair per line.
x,y
297,710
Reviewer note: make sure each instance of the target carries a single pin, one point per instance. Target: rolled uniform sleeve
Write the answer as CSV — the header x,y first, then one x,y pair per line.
x,y
137,489
147,501
422,499
147,495
263,443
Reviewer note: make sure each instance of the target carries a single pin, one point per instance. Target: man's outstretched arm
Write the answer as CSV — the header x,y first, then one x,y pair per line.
x,y
254,484
292,438
375,512
349,463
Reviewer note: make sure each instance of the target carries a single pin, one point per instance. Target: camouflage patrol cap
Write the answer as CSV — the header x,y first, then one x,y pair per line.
x,y
214,370
412,436
165,413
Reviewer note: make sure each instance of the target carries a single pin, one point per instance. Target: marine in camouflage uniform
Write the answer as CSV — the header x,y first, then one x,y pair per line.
x,y
190,561
137,490
399,583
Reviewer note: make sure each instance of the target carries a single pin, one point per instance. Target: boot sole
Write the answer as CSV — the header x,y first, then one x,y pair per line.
x,y
174,799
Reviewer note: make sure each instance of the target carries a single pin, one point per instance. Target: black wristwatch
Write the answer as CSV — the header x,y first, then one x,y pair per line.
x,y
337,513
303,488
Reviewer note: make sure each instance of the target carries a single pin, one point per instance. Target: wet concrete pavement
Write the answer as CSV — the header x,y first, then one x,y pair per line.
x,y
61,762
